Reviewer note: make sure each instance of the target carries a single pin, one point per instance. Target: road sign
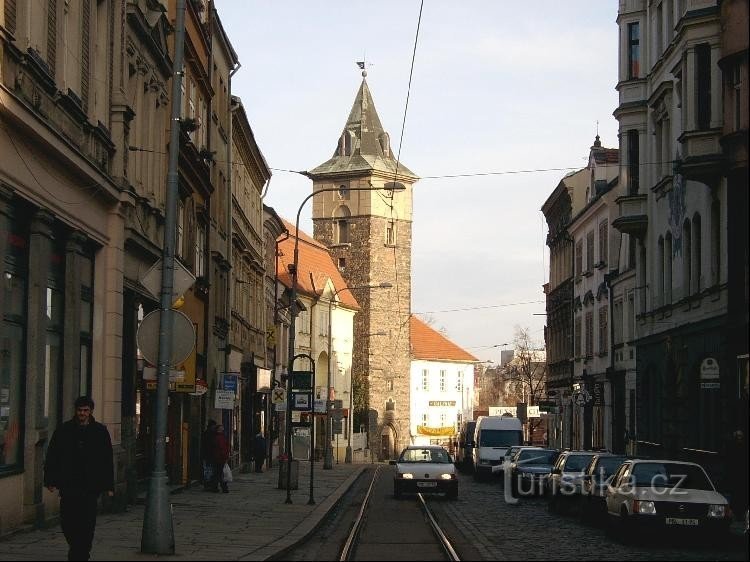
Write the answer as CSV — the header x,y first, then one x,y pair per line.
x,y
278,395
183,280
224,399
338,427
709,369
183,337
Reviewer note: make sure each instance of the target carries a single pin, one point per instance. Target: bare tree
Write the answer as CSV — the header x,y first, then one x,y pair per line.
x,y
526,373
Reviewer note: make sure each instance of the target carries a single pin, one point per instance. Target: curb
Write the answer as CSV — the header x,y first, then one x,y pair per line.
x,y
280,547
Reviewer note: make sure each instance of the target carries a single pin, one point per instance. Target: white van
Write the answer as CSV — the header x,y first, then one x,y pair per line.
x,y
492,437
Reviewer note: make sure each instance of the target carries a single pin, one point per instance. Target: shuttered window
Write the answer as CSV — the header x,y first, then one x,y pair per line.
x,y
10,15
85,52
51,35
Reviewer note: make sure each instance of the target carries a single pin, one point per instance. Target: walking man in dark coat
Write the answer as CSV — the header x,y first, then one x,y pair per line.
x,y
259,451
80,466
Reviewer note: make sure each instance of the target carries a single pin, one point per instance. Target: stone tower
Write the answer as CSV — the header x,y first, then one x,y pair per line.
x,y
368,233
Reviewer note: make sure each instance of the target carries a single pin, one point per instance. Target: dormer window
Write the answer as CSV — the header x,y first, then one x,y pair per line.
x,y
385,143
345,144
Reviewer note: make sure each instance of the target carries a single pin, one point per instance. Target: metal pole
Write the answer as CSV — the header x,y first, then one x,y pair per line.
x,y
311,501
157,536
349,419
327,460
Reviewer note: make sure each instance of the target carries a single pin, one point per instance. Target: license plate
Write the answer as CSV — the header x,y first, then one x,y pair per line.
x,y
677,521
426,484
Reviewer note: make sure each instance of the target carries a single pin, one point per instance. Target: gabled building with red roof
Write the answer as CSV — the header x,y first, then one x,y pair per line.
x,y
324,325
442,382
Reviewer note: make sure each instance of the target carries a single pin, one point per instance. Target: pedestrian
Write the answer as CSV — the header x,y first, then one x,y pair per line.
x,y
737,469
206,444
219,455
79,465
259,451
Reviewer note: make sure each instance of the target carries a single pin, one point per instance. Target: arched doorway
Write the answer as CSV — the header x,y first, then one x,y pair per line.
x,y
387,443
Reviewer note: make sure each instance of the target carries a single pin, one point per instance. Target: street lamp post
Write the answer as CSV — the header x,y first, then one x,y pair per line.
x,y
392,187
157,535
328,460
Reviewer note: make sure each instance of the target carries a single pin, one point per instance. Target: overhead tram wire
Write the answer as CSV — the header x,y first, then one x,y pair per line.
x,y
395,174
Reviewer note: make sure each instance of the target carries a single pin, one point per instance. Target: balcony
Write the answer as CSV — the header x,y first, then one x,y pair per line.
x,y
702,155
633,219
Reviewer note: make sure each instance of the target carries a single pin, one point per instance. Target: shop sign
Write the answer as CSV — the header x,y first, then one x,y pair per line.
x,y
502,410
443,403
224,399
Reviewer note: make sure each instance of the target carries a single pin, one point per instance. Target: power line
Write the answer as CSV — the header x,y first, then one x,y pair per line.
x,y
479,307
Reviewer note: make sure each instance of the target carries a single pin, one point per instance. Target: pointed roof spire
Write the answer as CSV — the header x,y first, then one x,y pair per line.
x,y
363,144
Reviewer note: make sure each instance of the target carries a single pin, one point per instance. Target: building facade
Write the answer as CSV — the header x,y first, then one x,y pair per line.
x,y
368,232
442,383
675,209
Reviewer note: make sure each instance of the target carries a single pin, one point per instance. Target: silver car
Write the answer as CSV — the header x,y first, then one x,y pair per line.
x,y
425,469
664,494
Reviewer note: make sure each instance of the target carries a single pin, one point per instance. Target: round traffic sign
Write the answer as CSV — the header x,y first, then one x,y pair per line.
x,y
183,337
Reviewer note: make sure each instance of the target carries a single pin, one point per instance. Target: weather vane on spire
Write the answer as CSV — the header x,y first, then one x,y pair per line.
x,y
362,64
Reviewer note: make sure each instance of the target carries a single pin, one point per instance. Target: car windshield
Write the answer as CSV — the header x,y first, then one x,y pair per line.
x,y
536,456
607,465
577,463
425,455
499,437
670,475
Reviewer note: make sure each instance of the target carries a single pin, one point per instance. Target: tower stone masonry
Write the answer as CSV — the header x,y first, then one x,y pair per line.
x,y
368,232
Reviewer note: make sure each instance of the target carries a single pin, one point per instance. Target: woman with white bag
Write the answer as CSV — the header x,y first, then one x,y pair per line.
x,y
219,457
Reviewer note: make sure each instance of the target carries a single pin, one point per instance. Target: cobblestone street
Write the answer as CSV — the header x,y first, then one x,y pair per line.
x,y
528,531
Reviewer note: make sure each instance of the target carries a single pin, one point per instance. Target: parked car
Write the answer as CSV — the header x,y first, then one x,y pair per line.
x,y
563,485
465,446
509,454
665,494
594,486
425,469
529,469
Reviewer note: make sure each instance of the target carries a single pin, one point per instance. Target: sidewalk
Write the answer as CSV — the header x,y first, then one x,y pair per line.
x,y
252,522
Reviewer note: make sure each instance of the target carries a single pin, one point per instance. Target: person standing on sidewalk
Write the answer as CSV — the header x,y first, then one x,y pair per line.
x,y
219,454
259,451
206,445
79,464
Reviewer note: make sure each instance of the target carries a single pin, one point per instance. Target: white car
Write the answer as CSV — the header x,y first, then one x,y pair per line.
x,y
663,494
425,469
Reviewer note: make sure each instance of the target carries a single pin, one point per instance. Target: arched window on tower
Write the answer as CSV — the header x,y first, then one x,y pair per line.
x,y
342,223
385,144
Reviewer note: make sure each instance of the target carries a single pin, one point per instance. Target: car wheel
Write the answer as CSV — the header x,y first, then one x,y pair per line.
x,y
624,526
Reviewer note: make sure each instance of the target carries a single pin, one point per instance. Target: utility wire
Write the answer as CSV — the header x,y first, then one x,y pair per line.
x,y
479,307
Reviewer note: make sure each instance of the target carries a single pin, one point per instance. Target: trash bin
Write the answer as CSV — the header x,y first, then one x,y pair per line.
x,y
294,480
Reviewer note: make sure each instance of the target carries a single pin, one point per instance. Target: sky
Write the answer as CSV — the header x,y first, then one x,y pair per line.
x,y
497,86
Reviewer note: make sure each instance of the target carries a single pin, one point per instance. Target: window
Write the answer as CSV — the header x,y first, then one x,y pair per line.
x,y
425,380
323,321
304,322
631,315
715,243
390,234
342,264
200,251
736,85
659,41
589,251
442,381
703,85
341,217
579,257
460,381
344,192
579,340
86,263
618,322
389,385
633,162
697,254
661,263
443,419
603,242
603,335
425,419
589,334
687,259
55,317
668,268
180,223
634,53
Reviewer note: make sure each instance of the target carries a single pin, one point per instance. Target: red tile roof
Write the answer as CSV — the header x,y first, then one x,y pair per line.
x,y
431,345
607,155
315,267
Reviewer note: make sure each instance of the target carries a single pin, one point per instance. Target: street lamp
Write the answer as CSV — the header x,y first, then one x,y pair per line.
x,y
328,461
157,534
392,187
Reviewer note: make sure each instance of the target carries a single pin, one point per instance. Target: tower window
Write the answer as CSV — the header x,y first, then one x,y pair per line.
x,y
390,234
342,264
